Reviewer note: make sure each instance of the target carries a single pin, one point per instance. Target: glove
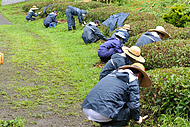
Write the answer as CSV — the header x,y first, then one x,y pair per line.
x,y
39,12
141,119
84,23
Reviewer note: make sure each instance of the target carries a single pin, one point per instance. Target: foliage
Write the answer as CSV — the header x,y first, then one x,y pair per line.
x,y
166,54
179,15
62,6
169,93
173,121
12,123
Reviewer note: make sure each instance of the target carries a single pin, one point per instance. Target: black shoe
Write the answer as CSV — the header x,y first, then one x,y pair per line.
x,y
74,27
70,30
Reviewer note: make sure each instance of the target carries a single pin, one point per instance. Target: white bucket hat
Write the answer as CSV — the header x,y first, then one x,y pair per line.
x,y
161,30
120,34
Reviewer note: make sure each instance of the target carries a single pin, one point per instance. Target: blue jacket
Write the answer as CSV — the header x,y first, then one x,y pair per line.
x,y
115,96
117,60
91,33
110,47
50,18
147,38
30,14
76,12
118,18
126,32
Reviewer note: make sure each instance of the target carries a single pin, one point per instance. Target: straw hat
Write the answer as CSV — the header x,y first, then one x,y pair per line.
x,y
134,52
146,82
127,27
161,30
34,8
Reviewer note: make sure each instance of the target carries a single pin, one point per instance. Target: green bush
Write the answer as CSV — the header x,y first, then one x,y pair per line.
x,y
12,123
169,93
166,54
179,15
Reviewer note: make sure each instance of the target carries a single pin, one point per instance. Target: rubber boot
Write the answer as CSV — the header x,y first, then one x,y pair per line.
x,y
74,27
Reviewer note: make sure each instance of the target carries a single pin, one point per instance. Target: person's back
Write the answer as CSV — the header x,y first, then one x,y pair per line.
x,y
108,48
91,33
116,97
32,13
153,35
147,38
50,18
88,34
73,10
117,60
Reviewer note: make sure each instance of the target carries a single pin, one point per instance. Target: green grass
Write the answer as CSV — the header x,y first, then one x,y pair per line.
x,y
51,67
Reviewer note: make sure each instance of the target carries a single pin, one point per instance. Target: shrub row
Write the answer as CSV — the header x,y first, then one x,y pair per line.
x,y
62,6
169,92
140,22
166,54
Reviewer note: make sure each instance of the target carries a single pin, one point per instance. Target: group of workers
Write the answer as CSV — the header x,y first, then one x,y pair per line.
x,y
114,100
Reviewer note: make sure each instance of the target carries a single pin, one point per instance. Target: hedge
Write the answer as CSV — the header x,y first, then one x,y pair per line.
x,y
166,54
169,93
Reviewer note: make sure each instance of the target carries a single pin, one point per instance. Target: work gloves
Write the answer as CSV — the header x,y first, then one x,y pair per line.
x,y
141,119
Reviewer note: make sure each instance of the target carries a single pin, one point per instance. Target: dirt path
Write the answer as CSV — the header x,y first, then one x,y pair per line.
x,y
3,20
9,82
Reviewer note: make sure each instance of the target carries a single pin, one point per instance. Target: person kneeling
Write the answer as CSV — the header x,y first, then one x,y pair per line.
x,y
115,99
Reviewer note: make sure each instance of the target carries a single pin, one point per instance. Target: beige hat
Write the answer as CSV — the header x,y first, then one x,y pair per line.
x,y
134,52
34,8
161,30
127,27
146,82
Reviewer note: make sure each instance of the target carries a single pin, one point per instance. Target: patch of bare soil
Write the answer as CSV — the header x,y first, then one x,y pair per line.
x,y
50,119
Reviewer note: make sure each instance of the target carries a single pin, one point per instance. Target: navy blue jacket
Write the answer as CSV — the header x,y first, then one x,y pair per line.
x,y
117,60
147,38
50,18
76,12
110,47
126,32
115,96
30,14
91,33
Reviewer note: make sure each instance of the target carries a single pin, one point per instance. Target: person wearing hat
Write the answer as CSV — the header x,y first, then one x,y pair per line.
x,y
125,29
110,47
73,11
117,60
153,35
114,100
32,13
91,32
50,20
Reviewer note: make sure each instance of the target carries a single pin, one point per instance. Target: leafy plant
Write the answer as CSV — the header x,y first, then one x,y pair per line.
x,y
166,54
179,15
12,123
169,92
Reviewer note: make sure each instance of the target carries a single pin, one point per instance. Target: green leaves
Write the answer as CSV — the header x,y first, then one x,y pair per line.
x,y
179,15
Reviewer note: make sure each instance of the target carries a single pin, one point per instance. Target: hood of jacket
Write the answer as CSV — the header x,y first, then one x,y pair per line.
x,y
91,24
83,12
